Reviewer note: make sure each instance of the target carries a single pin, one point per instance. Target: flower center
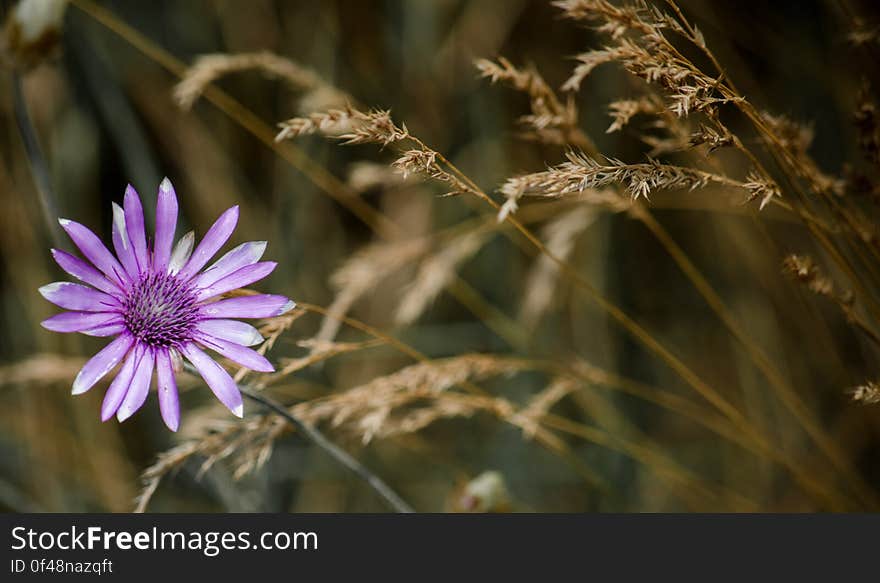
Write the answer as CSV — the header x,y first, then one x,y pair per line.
x,y
161,310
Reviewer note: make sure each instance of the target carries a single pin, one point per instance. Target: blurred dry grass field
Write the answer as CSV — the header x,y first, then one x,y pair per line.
x,y
570,256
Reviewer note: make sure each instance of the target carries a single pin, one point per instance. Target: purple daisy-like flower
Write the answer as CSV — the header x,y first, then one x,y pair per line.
x,y
161,306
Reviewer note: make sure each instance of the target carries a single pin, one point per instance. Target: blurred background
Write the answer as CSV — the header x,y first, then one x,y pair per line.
x,y
100,100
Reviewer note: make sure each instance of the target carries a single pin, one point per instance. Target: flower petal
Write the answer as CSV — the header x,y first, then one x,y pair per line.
x,y
122,244
140,386
108,330
95,251
101,364
241,278
84,272
243,255
182,252
169,404
216,377
246,357
215,238
80,321
134,224
231,330
119,387
166,222
73,296
256,306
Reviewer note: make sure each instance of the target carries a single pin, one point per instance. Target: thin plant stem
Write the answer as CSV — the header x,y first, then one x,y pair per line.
x,y
786,393
647,456
317,438
320,440
36,160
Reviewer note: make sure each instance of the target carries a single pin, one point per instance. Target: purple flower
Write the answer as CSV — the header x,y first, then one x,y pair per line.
x,y
161,306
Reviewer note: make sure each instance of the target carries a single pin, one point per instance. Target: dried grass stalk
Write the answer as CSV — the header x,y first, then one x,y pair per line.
x,y
714,138
560,237
863,33
247,445
364,176
624,110
436,272
796,139
515,188
41,369
423,162
529,418
805,270
272,328
867,394
363,272
582,173
376,127
320,351
209,68
349,125
409,399
550,121
639,43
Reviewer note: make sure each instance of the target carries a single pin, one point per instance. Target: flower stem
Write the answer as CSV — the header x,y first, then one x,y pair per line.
x,y
337,453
